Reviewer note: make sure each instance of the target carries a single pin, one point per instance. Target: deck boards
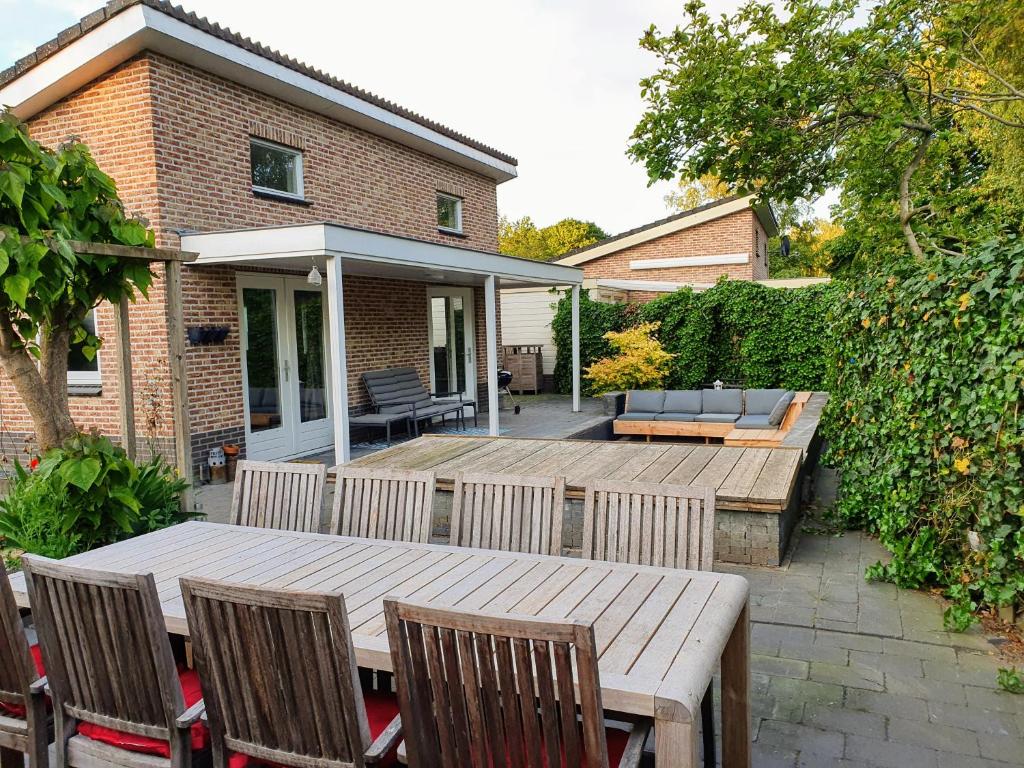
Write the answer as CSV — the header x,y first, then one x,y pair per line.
x,y
744,478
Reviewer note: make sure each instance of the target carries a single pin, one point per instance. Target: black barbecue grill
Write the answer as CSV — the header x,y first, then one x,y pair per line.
x,y
504,380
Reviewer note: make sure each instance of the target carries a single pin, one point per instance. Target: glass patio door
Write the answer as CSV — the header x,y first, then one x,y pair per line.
x,y
452,342
284,367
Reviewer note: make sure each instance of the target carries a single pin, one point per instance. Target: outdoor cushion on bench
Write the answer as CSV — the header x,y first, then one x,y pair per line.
x,y
674,416
754,421
682,401
716,418
772,403
645,401
721,401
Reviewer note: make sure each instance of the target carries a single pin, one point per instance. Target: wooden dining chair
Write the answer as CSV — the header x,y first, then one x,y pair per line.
x,y
117,694
24,725
508,512
284,496
391,504
280,681
654,524
472,687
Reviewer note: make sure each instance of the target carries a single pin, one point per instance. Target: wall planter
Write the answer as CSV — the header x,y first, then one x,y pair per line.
x,y
207,334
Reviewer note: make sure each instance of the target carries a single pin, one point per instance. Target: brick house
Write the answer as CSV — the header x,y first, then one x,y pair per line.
x,y
726,237
269,169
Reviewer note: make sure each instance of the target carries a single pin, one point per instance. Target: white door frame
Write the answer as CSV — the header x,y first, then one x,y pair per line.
x,y
294,437
469,333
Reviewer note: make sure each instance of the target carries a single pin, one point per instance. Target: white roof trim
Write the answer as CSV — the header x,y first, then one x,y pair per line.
x,y
668,228
143,28
691,261
658,286
302,242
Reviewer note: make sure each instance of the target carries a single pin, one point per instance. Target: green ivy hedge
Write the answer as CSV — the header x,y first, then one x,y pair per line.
x,y
738,331
926,422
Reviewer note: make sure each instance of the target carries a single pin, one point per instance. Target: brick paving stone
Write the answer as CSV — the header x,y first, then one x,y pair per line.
x,y
849,640
980,671
769,756
853,676
887,704
905,666
801,738
944,738
923,688
950,760
786,688
845,720
828,653
887,754
1009,749
779,667
984,698
975,719
895,647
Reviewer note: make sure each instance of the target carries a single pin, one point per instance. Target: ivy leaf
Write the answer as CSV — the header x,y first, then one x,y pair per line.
x,y
17,287
12,187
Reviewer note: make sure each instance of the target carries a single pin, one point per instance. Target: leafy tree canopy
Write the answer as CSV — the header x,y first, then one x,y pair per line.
x,y
897,102
48,199
523,238
693,193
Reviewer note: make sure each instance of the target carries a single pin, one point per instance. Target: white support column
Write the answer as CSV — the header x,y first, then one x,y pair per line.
x,y
576,349
491,323
339,362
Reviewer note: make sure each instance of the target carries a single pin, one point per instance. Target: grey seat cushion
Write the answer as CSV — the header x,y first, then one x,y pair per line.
x,y
645,401
669,416
779,411
759,402
753,421
682,401
723,418
718,401
638,416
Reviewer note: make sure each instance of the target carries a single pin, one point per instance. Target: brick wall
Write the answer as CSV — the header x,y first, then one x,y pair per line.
x,y
729,234
176,140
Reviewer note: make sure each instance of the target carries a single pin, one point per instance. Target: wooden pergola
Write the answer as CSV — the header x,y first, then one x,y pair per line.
x,y
172,260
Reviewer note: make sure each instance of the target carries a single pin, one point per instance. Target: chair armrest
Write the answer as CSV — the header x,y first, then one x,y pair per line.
x,y
446,394
40,687
635,744
191,716
385,741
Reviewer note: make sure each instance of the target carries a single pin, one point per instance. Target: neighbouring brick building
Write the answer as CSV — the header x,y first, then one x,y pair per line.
x,y
268,169
727,237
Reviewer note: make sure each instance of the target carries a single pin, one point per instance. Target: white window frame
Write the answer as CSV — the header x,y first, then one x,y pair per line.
x,y
458,213
87,378
299,177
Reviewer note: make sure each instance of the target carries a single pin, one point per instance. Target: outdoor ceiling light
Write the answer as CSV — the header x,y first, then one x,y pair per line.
x,y
314,278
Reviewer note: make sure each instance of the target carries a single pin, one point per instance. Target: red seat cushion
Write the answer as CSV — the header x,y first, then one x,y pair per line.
x,y
617,741
17,710
190,690
381,709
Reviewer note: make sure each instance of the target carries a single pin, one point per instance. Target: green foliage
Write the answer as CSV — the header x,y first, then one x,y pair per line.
x,y
85,494
926,422
596,319
639,362
524,239
48,198
740,332
1010,679
792,99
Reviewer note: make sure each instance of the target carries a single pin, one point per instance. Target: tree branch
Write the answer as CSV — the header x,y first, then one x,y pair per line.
x,y
906,209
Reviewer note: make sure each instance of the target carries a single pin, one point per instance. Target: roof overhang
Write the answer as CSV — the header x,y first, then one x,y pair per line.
x,y
677,224
142,28
297,248
660,286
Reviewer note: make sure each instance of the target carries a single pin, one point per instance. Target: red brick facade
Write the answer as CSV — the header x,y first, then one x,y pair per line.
x,y
176,140
739,232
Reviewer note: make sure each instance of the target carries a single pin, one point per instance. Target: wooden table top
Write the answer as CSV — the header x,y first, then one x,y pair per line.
x,y
660,631
756,479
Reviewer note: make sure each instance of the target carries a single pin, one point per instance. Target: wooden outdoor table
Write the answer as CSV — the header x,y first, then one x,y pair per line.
x,y
660,631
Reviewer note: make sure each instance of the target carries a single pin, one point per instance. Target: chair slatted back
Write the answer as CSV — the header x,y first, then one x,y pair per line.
x,y
391,504
17,669
279,674
472,686
283,496
649,524
108,658
507,512
393,390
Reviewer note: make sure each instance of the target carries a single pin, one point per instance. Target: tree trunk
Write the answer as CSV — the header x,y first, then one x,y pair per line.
x,y
907,209
45,398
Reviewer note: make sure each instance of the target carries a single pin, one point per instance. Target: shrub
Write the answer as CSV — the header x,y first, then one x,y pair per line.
x,y
640,362
596,319
927,425
85,494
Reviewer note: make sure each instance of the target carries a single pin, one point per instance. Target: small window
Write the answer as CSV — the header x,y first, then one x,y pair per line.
x,y
276,170
449,213
81,370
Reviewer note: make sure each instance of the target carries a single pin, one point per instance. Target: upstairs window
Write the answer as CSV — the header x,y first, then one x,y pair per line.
x,y
449,213
83,372
276,170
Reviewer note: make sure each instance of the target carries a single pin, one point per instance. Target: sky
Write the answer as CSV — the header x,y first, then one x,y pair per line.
x,y
554,83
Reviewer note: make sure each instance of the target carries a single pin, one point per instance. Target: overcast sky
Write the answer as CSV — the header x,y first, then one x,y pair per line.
x,y
554,83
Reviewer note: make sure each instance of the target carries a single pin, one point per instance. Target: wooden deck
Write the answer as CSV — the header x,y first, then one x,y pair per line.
x,y
745,479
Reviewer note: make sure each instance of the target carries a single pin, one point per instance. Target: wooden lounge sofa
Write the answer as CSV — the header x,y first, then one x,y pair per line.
x,y
704,413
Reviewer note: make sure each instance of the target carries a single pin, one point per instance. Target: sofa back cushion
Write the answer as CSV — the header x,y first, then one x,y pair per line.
x,y
761,401
721,401
682,401
779,411
645,401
